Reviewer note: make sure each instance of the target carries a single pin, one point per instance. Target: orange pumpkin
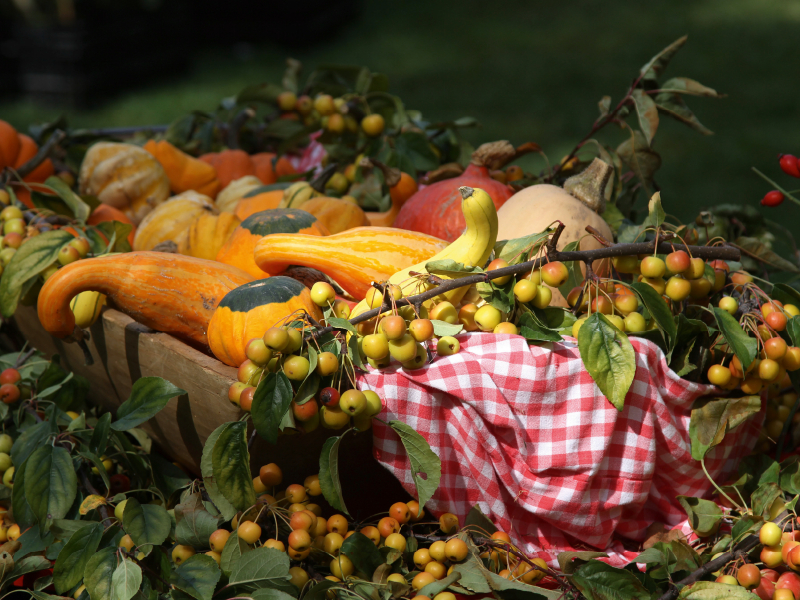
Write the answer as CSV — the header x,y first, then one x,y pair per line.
x,y
9,145
16,149
230,165
238,250
184,172
267,168
337,215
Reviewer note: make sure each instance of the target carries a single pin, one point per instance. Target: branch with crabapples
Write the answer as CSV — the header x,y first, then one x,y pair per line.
x,y
665,242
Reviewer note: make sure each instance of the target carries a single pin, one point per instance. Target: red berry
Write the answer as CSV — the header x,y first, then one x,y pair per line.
x,y
119,484
329,397
9,393
10,375
789,165
773,198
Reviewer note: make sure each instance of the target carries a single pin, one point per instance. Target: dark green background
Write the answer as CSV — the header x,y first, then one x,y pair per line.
x,y
534,71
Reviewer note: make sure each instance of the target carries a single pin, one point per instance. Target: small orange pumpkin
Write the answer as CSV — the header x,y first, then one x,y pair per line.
x,y
238,250
267,168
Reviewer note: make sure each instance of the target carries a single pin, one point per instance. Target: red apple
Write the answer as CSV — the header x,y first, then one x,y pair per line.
x,y
789,581
765,589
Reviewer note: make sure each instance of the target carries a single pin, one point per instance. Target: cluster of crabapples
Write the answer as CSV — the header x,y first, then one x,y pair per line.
x,y
780,556
19,226
290,521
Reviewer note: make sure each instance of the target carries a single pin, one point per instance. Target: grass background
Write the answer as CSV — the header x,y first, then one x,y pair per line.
x,y
533,70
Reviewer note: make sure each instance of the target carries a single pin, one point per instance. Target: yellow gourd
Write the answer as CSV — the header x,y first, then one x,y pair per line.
x,y
229,197
171,218
86,307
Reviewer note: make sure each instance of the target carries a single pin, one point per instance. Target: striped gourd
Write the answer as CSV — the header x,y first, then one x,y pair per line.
x,y
353,258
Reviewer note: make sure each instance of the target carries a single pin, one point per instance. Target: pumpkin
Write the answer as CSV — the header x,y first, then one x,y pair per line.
x,y
533,209
267,168
184,172
436,209
124,176
265,197
229,197
354,258
206,235
104,213
166,292
337,215
399,193
9,145
238,250
16,149
230,165
248,311
171,218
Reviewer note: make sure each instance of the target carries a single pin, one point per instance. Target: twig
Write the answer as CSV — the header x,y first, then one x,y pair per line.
x,y
587,256
741,550
23,358
55,138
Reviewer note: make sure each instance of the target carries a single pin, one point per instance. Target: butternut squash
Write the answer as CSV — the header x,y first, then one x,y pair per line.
x,y
167,292
353,258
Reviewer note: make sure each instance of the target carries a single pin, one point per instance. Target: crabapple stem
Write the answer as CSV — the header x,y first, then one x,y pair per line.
x,y
776,186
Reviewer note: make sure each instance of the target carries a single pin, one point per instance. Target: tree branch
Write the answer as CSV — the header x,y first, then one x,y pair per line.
x,y
586,256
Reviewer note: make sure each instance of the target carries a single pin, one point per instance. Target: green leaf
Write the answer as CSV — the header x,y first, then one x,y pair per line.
x,y
748,523
516,250
499,296
342,324
147,524
271,401
29,564
648,114
642,160
329,473
263,566
197,576
673,105
658,309
149,395
117,234
653,69
126,580
29,440
423,460
684,85
450,268
704,515
50,484
353,353
230,461
99,440
597,580
234,548
785,293
32,541
226,509
713,418
608,356
476,519
532,329
417,150
432,589
758,250
565,559
74,556
763,497
75,203
443,328
556,319
365,556
710,590
744,346
97,576
33,257
511,589
195,528
574,273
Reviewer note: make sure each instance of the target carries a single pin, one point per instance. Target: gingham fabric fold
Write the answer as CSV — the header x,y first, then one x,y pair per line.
x,y
524,432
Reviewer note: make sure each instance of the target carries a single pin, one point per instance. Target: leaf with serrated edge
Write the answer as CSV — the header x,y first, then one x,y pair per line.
x,y
226,509
271,401
609,358
710,590
262,565
600,581
422,459
147,524
50,484
149,395
744,346
73,557
329,473
712,418
443,328
704,515
362,552
658,309
97,575
234,548
197,576
126,580
648,114
231,465
565,559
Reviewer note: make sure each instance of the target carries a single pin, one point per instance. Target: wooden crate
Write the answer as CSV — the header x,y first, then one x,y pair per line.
x,y
124,350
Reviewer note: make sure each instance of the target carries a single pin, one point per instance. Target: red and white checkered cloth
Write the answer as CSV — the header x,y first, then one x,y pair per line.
x,y
524,432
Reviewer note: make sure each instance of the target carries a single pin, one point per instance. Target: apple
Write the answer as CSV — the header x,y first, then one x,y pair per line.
x,y
789,581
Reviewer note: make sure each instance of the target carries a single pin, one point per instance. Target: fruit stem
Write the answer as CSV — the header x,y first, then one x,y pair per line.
x,y
719,489
776,186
